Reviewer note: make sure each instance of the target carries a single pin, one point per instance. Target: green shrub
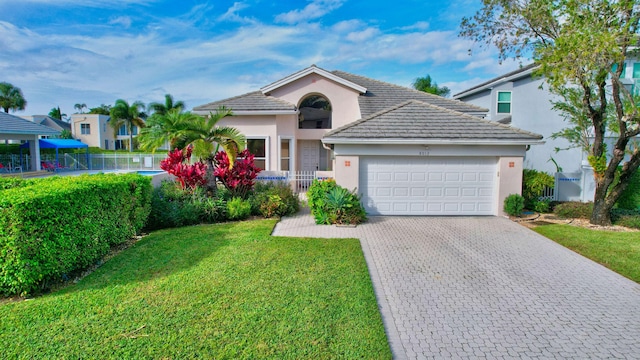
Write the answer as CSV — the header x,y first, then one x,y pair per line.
x,y
274,199
630,198
514,204
533,184
12,182
173,206
333,204
541,206
574,209
627,218
238,209
57,225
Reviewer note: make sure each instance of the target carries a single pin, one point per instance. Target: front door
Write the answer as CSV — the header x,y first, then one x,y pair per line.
x,y
310,155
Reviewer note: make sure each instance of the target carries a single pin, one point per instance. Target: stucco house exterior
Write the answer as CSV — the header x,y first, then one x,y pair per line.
x,y
95,131
521,100
48,121
406,152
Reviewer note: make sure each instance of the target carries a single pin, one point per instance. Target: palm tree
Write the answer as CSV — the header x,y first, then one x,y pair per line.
x,y
128,115
56,113
169,104
11,97
183,129
79,107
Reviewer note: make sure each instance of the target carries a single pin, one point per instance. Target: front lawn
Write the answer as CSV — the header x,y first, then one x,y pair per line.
x,y
619,251
223,291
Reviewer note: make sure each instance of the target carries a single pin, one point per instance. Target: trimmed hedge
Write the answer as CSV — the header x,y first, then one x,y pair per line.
x,y
54,226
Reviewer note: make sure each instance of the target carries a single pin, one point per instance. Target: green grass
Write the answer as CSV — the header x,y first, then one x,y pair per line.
x,y
223,291
619,251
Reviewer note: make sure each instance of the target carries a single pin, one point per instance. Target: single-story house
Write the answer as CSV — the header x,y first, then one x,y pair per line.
x,y
16,128
405,151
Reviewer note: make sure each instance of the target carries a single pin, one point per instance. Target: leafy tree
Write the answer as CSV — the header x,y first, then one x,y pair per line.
x,y
129,115
426,84
11,97
101,110
80,107
169,104
580,46
65,134
56,113
182,129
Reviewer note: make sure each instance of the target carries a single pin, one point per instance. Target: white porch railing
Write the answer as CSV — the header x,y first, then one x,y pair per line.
x,y
299,180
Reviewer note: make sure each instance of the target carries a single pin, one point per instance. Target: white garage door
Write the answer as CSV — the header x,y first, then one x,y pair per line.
x,y
428,186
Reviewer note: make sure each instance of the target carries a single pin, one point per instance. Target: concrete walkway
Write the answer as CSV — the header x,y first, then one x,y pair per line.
x,y
485,287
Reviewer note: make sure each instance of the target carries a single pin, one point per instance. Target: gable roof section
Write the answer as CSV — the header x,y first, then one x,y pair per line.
x,y
313,70
53,123
418,122
254,102
510,76
381,95
10,124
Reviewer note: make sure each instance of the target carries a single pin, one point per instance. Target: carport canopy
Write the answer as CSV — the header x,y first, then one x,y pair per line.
x,y
59,144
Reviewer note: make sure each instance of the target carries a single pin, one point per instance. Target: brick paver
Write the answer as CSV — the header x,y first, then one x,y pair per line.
x,y
485,287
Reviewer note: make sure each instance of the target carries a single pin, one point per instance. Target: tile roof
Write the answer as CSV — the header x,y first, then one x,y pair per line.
x,y
10,124
381,95
417,120
253,101
53,123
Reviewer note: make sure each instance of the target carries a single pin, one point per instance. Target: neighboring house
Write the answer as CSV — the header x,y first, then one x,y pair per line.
x,y
48,121
95,131
407,152
521,100
16,128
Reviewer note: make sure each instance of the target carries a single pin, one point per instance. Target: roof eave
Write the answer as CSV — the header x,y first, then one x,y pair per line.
x,y
312,70
473,91
373,141
251,112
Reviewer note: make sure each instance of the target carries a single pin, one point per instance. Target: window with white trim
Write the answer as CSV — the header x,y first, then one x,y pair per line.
x,y
258,147
285,154
504,102
85,129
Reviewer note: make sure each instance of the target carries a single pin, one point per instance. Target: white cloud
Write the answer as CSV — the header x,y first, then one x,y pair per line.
x,y
359,36
347,25
232,13
420,25
125,21
316,9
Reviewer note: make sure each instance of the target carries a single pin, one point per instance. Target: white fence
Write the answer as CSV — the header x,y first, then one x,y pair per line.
x,y
299,180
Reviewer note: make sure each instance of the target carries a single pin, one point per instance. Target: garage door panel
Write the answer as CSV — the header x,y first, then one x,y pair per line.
x,y
428,186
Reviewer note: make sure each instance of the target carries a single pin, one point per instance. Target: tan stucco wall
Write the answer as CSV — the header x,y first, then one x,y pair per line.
x,y
100,129
347,171
509,180
261,126
344,101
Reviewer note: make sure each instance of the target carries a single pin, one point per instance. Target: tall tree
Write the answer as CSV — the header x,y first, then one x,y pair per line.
x,y
80,107
169,104
11,97
129,115
101,110
580,45
183,129
56,113
428,85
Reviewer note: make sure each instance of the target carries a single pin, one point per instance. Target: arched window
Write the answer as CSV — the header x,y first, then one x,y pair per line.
x,y
315,113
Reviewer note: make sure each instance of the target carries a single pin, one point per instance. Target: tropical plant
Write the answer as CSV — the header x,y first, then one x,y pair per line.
x,y
101,110
333,204
11,97
238,177
177,164
238,209
129,115
426,84
533,184
65,134
80,107
173,127
579,45
56,113
169,104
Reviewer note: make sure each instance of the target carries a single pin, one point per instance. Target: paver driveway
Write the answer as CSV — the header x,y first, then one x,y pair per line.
x,y
485,287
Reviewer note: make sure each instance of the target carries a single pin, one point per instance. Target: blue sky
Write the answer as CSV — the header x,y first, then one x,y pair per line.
x,y
63,52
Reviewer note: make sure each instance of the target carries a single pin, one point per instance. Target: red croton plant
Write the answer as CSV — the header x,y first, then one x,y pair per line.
x,y
240,178
190,176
